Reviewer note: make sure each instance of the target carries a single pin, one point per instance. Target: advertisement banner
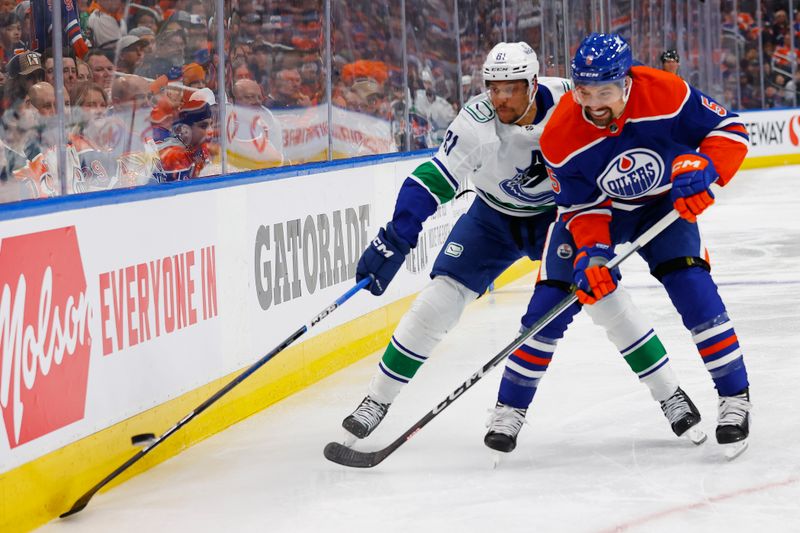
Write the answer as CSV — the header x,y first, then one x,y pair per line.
x,y
772,133
110,310
264,138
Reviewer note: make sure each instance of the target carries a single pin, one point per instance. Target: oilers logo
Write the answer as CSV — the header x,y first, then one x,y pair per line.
x,y
632,174
524,186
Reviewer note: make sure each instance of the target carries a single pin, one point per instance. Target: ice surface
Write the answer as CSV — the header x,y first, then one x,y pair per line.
x,y
597,454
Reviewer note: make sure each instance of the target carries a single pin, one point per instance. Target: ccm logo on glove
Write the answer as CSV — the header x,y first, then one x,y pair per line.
x,y
379,246
382,259
692,176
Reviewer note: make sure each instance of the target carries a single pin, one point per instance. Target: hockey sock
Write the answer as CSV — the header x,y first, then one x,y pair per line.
x,y
695,296
434,312
527,365
719,347
524,369
636,341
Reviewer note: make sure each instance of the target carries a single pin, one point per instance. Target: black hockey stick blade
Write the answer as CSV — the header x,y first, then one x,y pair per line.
x,y
341,454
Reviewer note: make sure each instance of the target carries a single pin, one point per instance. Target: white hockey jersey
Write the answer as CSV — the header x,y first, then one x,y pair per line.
x,y
501,161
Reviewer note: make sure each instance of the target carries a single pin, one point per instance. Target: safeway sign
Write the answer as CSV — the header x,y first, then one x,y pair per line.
x,y
44,333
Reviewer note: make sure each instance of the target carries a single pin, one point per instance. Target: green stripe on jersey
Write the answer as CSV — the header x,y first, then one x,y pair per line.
x,y
527,209
436,183
646,355
399,363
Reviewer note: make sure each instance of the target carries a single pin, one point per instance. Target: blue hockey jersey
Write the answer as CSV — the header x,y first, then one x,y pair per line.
x,y
629,163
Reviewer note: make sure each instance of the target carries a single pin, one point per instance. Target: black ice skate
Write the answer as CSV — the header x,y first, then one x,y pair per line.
x,y
733,425
683,416
504,425
365,418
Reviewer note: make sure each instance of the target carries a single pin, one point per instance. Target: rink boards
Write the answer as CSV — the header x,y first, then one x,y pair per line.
x,y
120,312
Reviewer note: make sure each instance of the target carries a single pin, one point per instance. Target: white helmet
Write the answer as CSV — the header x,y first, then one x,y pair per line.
x,y
513,61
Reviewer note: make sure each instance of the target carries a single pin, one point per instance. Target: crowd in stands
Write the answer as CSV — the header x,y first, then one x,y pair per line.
x,y
139,79
759,49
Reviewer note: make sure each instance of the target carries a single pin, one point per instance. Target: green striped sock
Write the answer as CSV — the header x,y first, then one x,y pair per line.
x,y
646,355
399,364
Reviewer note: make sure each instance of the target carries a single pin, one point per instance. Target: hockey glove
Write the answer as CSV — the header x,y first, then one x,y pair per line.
x,y
692,176
591,277
382,259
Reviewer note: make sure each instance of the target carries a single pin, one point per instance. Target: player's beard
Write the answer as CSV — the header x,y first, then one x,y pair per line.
x,y
600,122
507,111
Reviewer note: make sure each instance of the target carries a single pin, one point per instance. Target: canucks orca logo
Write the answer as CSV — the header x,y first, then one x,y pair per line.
x,y
523,184
632,174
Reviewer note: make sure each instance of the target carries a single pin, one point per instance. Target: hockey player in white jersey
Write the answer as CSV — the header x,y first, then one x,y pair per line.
x,y
493,143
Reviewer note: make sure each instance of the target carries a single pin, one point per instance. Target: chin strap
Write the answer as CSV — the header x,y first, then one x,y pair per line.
x,y
531,99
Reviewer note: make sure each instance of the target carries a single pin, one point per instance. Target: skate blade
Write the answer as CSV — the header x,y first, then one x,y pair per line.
x,y
348,439
734,449
496,458
695,435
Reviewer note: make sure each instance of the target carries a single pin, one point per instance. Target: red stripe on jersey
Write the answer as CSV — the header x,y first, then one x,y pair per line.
x,y
726,154
590,228
721,345
528,358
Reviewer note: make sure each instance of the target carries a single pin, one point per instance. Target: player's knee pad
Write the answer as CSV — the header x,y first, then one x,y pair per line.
x,y
546,295
694,294
619,316
434,312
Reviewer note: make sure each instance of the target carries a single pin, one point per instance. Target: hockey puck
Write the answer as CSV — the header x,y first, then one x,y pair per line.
x,y
143,439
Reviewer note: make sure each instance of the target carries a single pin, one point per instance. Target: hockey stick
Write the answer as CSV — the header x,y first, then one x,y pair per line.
x,y
83,501
339,453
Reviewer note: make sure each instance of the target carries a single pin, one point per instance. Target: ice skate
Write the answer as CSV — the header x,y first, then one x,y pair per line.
x,y
365,418
683,417
733,425
504,425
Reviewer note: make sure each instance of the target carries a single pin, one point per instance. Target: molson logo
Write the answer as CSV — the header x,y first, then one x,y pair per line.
x,y
632,174
44,334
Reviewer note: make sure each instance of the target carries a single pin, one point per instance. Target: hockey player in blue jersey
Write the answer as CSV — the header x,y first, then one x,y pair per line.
x,y
632,143
494,143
